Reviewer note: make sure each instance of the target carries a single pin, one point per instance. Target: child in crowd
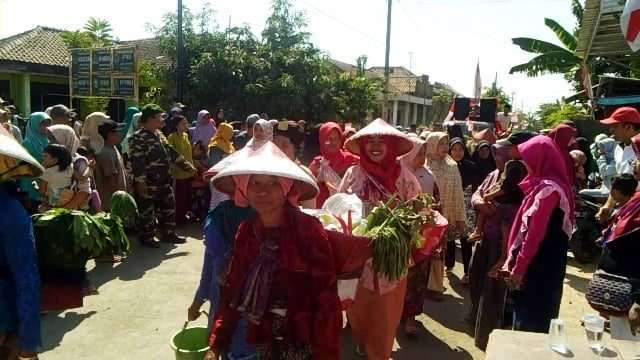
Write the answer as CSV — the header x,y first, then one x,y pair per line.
x,y
56,179
503,191
623,187
95,202
179,140
199,186
579,163
110,172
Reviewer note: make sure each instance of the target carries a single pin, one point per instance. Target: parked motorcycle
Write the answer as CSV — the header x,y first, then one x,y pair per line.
x,y
584,242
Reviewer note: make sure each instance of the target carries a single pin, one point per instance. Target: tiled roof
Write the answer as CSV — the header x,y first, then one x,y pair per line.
x,y
401,80
41,45
343,66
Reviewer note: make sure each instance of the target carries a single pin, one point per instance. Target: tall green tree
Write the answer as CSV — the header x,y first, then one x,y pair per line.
x,y
552,114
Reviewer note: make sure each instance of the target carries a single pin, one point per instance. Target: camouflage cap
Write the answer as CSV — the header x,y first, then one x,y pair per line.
x,y
150,110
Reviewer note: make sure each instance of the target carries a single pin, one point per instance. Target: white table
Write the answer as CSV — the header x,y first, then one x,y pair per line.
x,y
515,345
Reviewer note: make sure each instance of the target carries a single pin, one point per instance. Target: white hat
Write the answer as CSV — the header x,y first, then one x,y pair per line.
x,y
12,154
267,160
379,127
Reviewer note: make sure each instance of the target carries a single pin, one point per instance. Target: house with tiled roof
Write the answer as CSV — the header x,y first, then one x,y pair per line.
x,y
34,69
409,94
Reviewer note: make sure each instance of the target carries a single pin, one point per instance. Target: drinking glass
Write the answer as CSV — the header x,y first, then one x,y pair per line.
x,y
594,330
558,336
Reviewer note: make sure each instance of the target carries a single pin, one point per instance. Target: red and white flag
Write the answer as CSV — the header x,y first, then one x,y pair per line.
x,y
630,23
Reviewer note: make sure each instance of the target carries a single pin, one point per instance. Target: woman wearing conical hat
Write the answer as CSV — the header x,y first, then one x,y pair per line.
x,y
282,276
19,278
376,311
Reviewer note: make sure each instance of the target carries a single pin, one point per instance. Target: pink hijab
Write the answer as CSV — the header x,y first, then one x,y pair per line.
x,y
547,175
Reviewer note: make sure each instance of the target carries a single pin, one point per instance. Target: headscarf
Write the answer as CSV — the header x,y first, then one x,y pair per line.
x,y
432,147
35,141
625,221
388,171
562,135
66,137
407,160
545,177
128,119
583,145
339,160
485,166
203,132
267,130
135,120
594,147
607,148
223,138
90,130
468,169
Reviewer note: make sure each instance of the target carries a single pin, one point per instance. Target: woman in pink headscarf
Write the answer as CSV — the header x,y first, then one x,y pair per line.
x,y
564,136
329,168
539,238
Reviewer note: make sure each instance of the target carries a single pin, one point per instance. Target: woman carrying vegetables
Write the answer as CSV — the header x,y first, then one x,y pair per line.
x,y
19,279
282,276
377,308
452,204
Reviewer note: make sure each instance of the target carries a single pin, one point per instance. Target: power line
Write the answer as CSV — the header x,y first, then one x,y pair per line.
x,y
346,25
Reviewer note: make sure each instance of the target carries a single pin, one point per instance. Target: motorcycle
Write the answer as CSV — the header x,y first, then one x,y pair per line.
x,y
584,242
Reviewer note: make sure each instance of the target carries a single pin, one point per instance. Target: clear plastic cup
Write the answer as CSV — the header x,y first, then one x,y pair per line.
x,y
558,336
594,330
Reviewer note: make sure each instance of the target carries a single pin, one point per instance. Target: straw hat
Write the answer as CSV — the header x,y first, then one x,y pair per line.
x,y
12,154
225,162
267,160
379,127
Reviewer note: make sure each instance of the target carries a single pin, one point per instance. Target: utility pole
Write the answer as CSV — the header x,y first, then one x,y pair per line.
x,y
385,104
180,57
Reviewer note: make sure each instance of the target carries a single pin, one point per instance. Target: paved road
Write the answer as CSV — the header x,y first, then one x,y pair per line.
x,y
143,301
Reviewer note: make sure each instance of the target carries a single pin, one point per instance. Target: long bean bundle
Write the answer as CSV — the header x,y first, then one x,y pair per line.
x,y
396,230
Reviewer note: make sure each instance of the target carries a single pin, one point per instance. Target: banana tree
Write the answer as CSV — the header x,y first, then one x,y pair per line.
x,y
550,58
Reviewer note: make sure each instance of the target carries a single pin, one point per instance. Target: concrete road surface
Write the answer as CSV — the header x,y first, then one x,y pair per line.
x,y
144,300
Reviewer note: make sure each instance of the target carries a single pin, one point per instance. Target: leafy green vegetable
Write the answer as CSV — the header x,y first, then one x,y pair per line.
x,y
66,237
394,232
124,206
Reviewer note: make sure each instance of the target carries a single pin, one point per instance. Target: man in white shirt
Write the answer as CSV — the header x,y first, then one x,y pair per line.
x,y
623,124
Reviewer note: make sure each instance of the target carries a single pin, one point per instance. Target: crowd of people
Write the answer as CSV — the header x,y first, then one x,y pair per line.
x,y
270,271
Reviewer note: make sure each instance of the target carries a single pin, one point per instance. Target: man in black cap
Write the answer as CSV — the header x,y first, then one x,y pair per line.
x,y
151,158
513,141
60,115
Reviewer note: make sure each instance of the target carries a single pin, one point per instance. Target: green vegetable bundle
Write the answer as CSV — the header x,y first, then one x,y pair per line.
x,y
394,232
124,206
70,235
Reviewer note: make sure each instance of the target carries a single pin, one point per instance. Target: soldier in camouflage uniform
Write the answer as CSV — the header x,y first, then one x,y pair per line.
x,y
151,157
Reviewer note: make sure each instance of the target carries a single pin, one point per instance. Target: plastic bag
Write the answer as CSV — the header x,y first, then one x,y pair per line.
x,y
329,177
341,205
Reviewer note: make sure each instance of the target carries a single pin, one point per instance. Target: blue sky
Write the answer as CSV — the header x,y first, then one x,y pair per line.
x,y
445,37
